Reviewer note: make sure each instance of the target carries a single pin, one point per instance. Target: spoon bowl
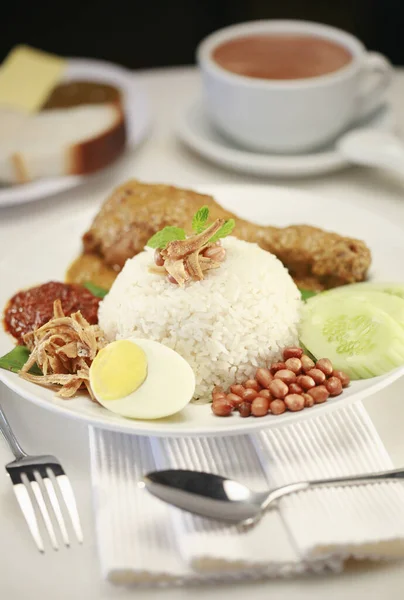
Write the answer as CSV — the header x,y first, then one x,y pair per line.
x,y
205,494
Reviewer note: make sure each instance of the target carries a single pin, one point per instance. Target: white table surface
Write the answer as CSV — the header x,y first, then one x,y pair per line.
x,y
74,574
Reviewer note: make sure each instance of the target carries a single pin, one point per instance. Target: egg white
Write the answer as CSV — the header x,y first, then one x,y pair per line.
x,y
167,389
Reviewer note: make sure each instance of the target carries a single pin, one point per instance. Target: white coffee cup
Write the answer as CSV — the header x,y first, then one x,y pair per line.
x,y
297,115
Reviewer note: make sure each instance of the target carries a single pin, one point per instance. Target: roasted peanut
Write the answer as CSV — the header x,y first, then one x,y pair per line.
x,y
294,364
292,352
158,259
264,377
278,388
294,402
249,395
308,400
237,389
218,392
325,365
343,377
222,407
234,399
252,384
306,382
265,394
277,407
217,389
307,363
317,375
295,388
286,375
171,279
244,409
319,394
259,406
277,366
216,253
334,386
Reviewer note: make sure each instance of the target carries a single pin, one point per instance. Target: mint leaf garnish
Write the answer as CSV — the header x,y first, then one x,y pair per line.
x,y
165,236
224,231
199,222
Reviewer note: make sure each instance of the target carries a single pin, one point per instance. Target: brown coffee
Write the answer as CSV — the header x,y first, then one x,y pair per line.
x,y
280,56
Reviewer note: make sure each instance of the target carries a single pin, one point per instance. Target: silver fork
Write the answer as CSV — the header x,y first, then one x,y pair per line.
x,y
35,479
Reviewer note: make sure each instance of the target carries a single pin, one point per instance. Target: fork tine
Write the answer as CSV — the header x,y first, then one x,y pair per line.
x,y
56,508
35,485
70,502
24,500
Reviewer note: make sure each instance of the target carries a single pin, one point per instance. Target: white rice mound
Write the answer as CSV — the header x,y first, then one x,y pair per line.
x,y
238,318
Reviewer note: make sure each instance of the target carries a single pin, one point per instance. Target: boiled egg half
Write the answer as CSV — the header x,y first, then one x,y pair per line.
x,y
141,379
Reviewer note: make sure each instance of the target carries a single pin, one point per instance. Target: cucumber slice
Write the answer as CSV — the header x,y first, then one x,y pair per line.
x,y
358,337
392,288
393,305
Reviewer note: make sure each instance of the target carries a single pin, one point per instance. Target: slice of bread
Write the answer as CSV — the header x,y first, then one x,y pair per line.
x,y
69,141
74,93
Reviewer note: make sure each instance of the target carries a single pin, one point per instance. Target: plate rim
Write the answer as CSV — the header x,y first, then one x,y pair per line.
x,y
249,426
246,426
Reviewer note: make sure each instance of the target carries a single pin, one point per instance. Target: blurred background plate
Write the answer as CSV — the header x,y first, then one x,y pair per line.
x,y
198,133
137,119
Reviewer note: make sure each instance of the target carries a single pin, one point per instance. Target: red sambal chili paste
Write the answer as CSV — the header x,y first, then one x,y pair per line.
x,y
32,308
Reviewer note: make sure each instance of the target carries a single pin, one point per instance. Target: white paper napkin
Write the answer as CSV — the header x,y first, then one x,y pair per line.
x,y
143,540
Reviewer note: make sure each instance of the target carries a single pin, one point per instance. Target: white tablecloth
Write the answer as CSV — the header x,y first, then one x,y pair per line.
x,y
74,574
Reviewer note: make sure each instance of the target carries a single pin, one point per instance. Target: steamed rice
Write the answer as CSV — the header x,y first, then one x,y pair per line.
x,y
238,318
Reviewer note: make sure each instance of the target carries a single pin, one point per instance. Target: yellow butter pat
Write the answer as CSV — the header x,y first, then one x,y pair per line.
x,y
27,76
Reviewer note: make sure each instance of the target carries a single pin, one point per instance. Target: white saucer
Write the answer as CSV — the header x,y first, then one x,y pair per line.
x,y
196,131
137,117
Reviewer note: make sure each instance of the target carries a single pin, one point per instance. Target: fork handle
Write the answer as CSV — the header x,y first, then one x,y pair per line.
x,y
9,436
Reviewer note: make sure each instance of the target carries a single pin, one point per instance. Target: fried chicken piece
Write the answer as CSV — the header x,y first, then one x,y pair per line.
x,y
316,259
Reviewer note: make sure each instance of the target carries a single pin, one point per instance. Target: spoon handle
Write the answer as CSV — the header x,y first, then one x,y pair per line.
x,y
292,488
395,474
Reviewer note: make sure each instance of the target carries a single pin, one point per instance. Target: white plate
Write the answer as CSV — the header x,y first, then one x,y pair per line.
x,y
277,206
137,116
196,131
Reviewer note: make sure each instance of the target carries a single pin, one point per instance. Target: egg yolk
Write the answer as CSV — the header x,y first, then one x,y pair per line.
x,y
118,370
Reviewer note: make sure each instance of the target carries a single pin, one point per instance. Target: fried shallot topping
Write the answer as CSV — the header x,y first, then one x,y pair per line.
x,y
190,258
63,349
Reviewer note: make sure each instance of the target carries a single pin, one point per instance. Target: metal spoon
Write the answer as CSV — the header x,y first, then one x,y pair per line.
x,y
223,499
373,148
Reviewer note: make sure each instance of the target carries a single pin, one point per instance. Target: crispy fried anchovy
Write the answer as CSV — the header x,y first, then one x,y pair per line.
x,y
181,248
63,348
176,268
183,259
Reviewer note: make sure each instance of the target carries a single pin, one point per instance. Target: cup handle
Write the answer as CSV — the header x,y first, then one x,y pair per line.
x,y
377,75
